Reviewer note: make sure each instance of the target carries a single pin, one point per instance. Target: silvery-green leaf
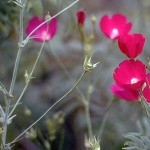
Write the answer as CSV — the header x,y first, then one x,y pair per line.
x,y
146,141
135,140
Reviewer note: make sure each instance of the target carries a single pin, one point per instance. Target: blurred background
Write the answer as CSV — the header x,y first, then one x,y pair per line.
x,y
65,126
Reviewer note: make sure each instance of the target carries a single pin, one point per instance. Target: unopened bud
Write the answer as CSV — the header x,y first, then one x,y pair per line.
x,y
88,66
93,19
27,112
81,17
48,16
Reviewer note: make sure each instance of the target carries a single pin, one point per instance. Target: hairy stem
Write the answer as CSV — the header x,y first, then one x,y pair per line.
x,y
8,100
50,108
38,54
144,104
83,100
87,109
30,76
51,19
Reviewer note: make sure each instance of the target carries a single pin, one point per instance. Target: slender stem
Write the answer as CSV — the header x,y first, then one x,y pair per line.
x,y
83,100
51,19
8,100
49,108
87,109
15,71
18,54
88,119
101,129
30,76
38,54
5,123
144,104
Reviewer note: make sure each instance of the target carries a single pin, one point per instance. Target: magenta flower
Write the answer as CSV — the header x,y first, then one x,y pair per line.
x,y
131,44
146,90
81,17
130,74
115,26
39,34
120,92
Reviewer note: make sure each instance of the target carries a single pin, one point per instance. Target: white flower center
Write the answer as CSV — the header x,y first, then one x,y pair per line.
x,y
45,36
134,80
114,33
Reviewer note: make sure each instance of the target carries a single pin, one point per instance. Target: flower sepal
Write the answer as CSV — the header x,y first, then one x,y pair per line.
x,y
88,66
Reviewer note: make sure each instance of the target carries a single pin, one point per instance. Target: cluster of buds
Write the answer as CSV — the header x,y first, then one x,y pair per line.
x,y
88,66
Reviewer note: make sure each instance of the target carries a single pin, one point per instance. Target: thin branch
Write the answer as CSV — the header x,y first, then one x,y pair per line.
x,y
49,108
47,20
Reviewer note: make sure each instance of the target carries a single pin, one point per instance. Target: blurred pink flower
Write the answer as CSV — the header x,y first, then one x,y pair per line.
x,y
131,74
39,34
81,17
115,26
146,90
120,92
131,44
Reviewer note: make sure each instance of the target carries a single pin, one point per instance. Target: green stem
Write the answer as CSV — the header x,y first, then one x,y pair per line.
x,y
38,54
144,104
102,126
46,21
5,123
30,76
87,109
83,100
8,100
49,108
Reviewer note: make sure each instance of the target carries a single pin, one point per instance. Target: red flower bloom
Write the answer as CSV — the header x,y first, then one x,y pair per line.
x,y
115,26
123,93
81,17
131,44
146,91
130,74
40,33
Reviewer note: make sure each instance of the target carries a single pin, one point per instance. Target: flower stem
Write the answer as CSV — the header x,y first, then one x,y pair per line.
x,y
144,104
87,109
38,54
30,76
50,108
51,18
8,100
83,100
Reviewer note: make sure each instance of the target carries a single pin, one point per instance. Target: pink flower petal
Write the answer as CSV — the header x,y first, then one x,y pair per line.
x,y
125,94
39,34
131,44
81,17
146,91
130,74
115,26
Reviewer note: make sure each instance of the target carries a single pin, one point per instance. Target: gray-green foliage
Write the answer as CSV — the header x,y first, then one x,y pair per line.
x,y
139,140
8,19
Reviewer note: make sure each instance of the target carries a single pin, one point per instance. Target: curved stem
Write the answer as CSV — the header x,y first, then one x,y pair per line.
x,y
8,100
51,19
39,52
83,100
87,109
30,76
144,104
18,54
102,126
49,108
